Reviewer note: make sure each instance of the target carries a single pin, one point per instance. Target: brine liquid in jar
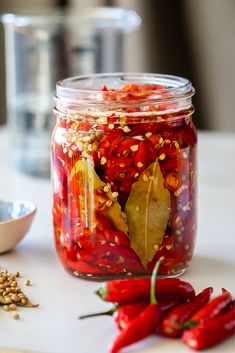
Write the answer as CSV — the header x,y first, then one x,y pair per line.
x,y
124,175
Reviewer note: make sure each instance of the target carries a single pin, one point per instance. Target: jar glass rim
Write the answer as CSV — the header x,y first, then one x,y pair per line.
x,y
87,89
102,17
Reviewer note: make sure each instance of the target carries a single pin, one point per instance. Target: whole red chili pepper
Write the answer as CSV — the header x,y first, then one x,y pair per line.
x,y
211,332
214,308
144,324
136,289
172,325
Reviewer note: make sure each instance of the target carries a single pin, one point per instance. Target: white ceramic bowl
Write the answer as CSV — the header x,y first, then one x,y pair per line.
x,y
15,220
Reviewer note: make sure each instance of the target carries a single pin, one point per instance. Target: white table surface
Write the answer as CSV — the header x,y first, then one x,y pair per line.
x,y
54,327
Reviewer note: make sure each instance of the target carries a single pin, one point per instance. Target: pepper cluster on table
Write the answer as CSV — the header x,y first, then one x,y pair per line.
x,y
168,307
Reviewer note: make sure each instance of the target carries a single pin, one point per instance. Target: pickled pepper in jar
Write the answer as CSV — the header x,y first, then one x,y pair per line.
x,y
124,175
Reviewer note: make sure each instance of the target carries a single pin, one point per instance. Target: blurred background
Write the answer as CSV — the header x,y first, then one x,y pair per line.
x,y
194,39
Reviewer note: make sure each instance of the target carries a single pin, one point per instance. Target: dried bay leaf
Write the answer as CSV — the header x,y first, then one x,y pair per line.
x,y
148,210
89,182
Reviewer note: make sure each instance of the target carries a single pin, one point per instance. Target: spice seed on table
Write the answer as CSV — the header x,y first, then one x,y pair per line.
x,y
12,307
11,293
6,308
15,316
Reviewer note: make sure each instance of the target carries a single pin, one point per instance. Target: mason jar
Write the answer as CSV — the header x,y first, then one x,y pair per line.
x,y
124,175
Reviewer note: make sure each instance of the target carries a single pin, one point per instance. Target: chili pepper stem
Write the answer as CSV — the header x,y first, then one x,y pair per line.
x,y
108,312
153,299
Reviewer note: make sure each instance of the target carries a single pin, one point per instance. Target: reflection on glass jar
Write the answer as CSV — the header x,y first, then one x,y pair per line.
x,y
124,175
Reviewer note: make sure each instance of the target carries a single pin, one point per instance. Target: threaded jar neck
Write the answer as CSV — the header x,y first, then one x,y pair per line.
x,y
150,94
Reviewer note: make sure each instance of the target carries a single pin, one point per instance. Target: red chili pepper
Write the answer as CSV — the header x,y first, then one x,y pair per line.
x,y
144,324
126,313
216,307
172,325
211,332
136,289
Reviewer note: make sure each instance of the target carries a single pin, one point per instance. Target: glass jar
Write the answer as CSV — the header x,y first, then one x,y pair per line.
x,y
124,175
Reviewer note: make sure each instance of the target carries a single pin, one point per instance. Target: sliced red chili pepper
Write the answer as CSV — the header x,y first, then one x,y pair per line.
x,y
120,173
72,253
116,237
125,145
114,145
117,250
82,268
140,160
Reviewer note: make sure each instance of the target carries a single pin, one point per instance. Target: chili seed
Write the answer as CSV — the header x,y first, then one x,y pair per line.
x,y
145,177
111,126
106,188
115,194
126,129
134,148
108,203
162,156
148,134
177,146
103,160
139,164
180,190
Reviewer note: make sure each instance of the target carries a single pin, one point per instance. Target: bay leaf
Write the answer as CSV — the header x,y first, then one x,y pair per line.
x,y
88,183
148,210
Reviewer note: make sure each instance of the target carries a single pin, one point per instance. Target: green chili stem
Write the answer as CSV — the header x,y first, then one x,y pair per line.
x,y
109,312
153,299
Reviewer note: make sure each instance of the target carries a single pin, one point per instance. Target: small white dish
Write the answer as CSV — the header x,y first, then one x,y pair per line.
x,y
15,220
